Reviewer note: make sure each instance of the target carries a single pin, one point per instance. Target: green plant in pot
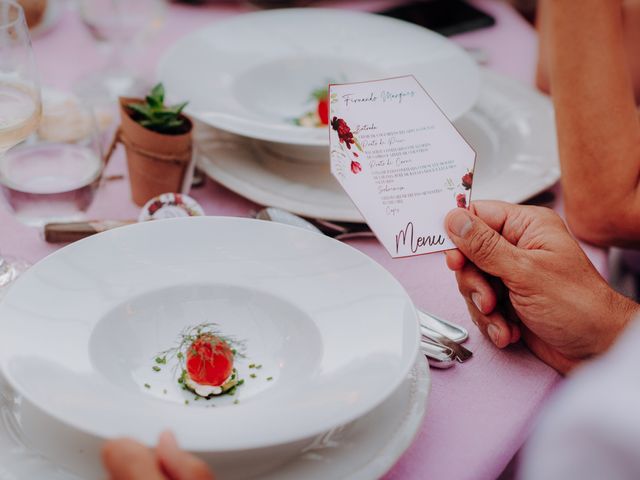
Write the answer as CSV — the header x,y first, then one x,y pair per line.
x,y
158,142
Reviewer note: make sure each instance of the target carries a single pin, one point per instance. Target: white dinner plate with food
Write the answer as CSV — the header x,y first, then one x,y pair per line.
x,y
511,128
94,334
260,74
35,446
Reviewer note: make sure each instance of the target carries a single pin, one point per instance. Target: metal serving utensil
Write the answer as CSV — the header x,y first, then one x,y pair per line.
x,y
439,356
455,332
462,354
339,231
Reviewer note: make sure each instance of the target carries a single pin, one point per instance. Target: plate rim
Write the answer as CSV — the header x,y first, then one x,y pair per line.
x,y
297,135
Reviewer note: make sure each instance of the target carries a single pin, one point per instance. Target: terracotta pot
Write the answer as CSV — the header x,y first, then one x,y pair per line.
x,y
158,163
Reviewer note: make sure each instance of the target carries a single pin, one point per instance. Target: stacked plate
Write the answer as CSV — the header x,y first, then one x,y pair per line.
x,y
246,93
340,393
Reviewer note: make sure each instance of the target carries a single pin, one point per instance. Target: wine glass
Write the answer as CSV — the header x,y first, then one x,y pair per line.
x,y
119,26
20,103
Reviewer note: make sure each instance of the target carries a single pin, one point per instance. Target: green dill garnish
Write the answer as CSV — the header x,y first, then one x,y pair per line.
x,y
156,368
240,382
180,355
164,391
269,379
236,401
161,360
253,375
258,367
252,365
146,385
186,402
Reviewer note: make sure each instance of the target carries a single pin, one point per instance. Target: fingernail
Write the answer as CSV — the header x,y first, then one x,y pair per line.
x,y
459,222
169,439
476,298
494,333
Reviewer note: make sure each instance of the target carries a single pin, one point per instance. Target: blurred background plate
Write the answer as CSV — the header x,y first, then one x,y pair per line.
x,y
254,74
511,127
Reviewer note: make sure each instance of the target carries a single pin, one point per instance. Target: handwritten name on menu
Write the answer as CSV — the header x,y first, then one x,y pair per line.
x,y
401,161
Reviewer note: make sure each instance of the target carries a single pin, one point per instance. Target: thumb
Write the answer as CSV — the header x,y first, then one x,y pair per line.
x,y
178,464
481,244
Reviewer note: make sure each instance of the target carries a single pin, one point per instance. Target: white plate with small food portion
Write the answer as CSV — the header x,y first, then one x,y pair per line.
x,y
511,128
263,74
33,445
323,334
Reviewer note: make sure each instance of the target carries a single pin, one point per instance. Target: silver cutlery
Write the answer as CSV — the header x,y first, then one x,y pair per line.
x,y
461,353
454,332
438,355
339,231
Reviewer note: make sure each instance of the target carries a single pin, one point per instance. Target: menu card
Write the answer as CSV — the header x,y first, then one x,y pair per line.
x,y
402,162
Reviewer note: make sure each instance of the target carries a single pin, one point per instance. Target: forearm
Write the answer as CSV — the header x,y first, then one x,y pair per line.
x,y
598,126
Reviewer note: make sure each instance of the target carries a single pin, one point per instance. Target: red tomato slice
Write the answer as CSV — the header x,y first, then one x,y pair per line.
x,y
209,360
323,111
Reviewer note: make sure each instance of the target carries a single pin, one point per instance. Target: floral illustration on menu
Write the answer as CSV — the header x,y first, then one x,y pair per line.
x,y
467,180
466,183
348,140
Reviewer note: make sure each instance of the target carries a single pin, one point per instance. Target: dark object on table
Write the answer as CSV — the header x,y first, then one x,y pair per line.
x,y
255,3
278,3
74,231
447,17
34,11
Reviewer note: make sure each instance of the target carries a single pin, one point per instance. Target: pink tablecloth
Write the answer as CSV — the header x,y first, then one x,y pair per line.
x,y
479,413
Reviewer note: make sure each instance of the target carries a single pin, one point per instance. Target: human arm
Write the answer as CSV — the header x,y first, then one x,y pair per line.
x,y
589,72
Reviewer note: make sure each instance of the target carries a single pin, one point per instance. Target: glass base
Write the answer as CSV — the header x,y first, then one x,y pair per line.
x,y
107,85
10,269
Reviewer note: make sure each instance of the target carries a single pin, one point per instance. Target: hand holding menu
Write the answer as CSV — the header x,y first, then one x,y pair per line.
x,y
404,165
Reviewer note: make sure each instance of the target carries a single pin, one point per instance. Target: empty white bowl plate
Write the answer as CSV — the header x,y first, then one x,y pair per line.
x,y
337,332
253,74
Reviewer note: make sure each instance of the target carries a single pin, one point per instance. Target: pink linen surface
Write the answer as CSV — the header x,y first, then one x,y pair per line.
x,y
479,413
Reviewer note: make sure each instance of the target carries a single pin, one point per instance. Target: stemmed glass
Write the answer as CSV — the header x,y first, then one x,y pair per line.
x,y
118,26
20,103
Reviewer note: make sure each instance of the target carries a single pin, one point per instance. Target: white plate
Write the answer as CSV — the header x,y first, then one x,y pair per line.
x,y
253,74
511,128
34,446
80,331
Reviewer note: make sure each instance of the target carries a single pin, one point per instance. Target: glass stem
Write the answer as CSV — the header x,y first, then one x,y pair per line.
x,y
6,272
